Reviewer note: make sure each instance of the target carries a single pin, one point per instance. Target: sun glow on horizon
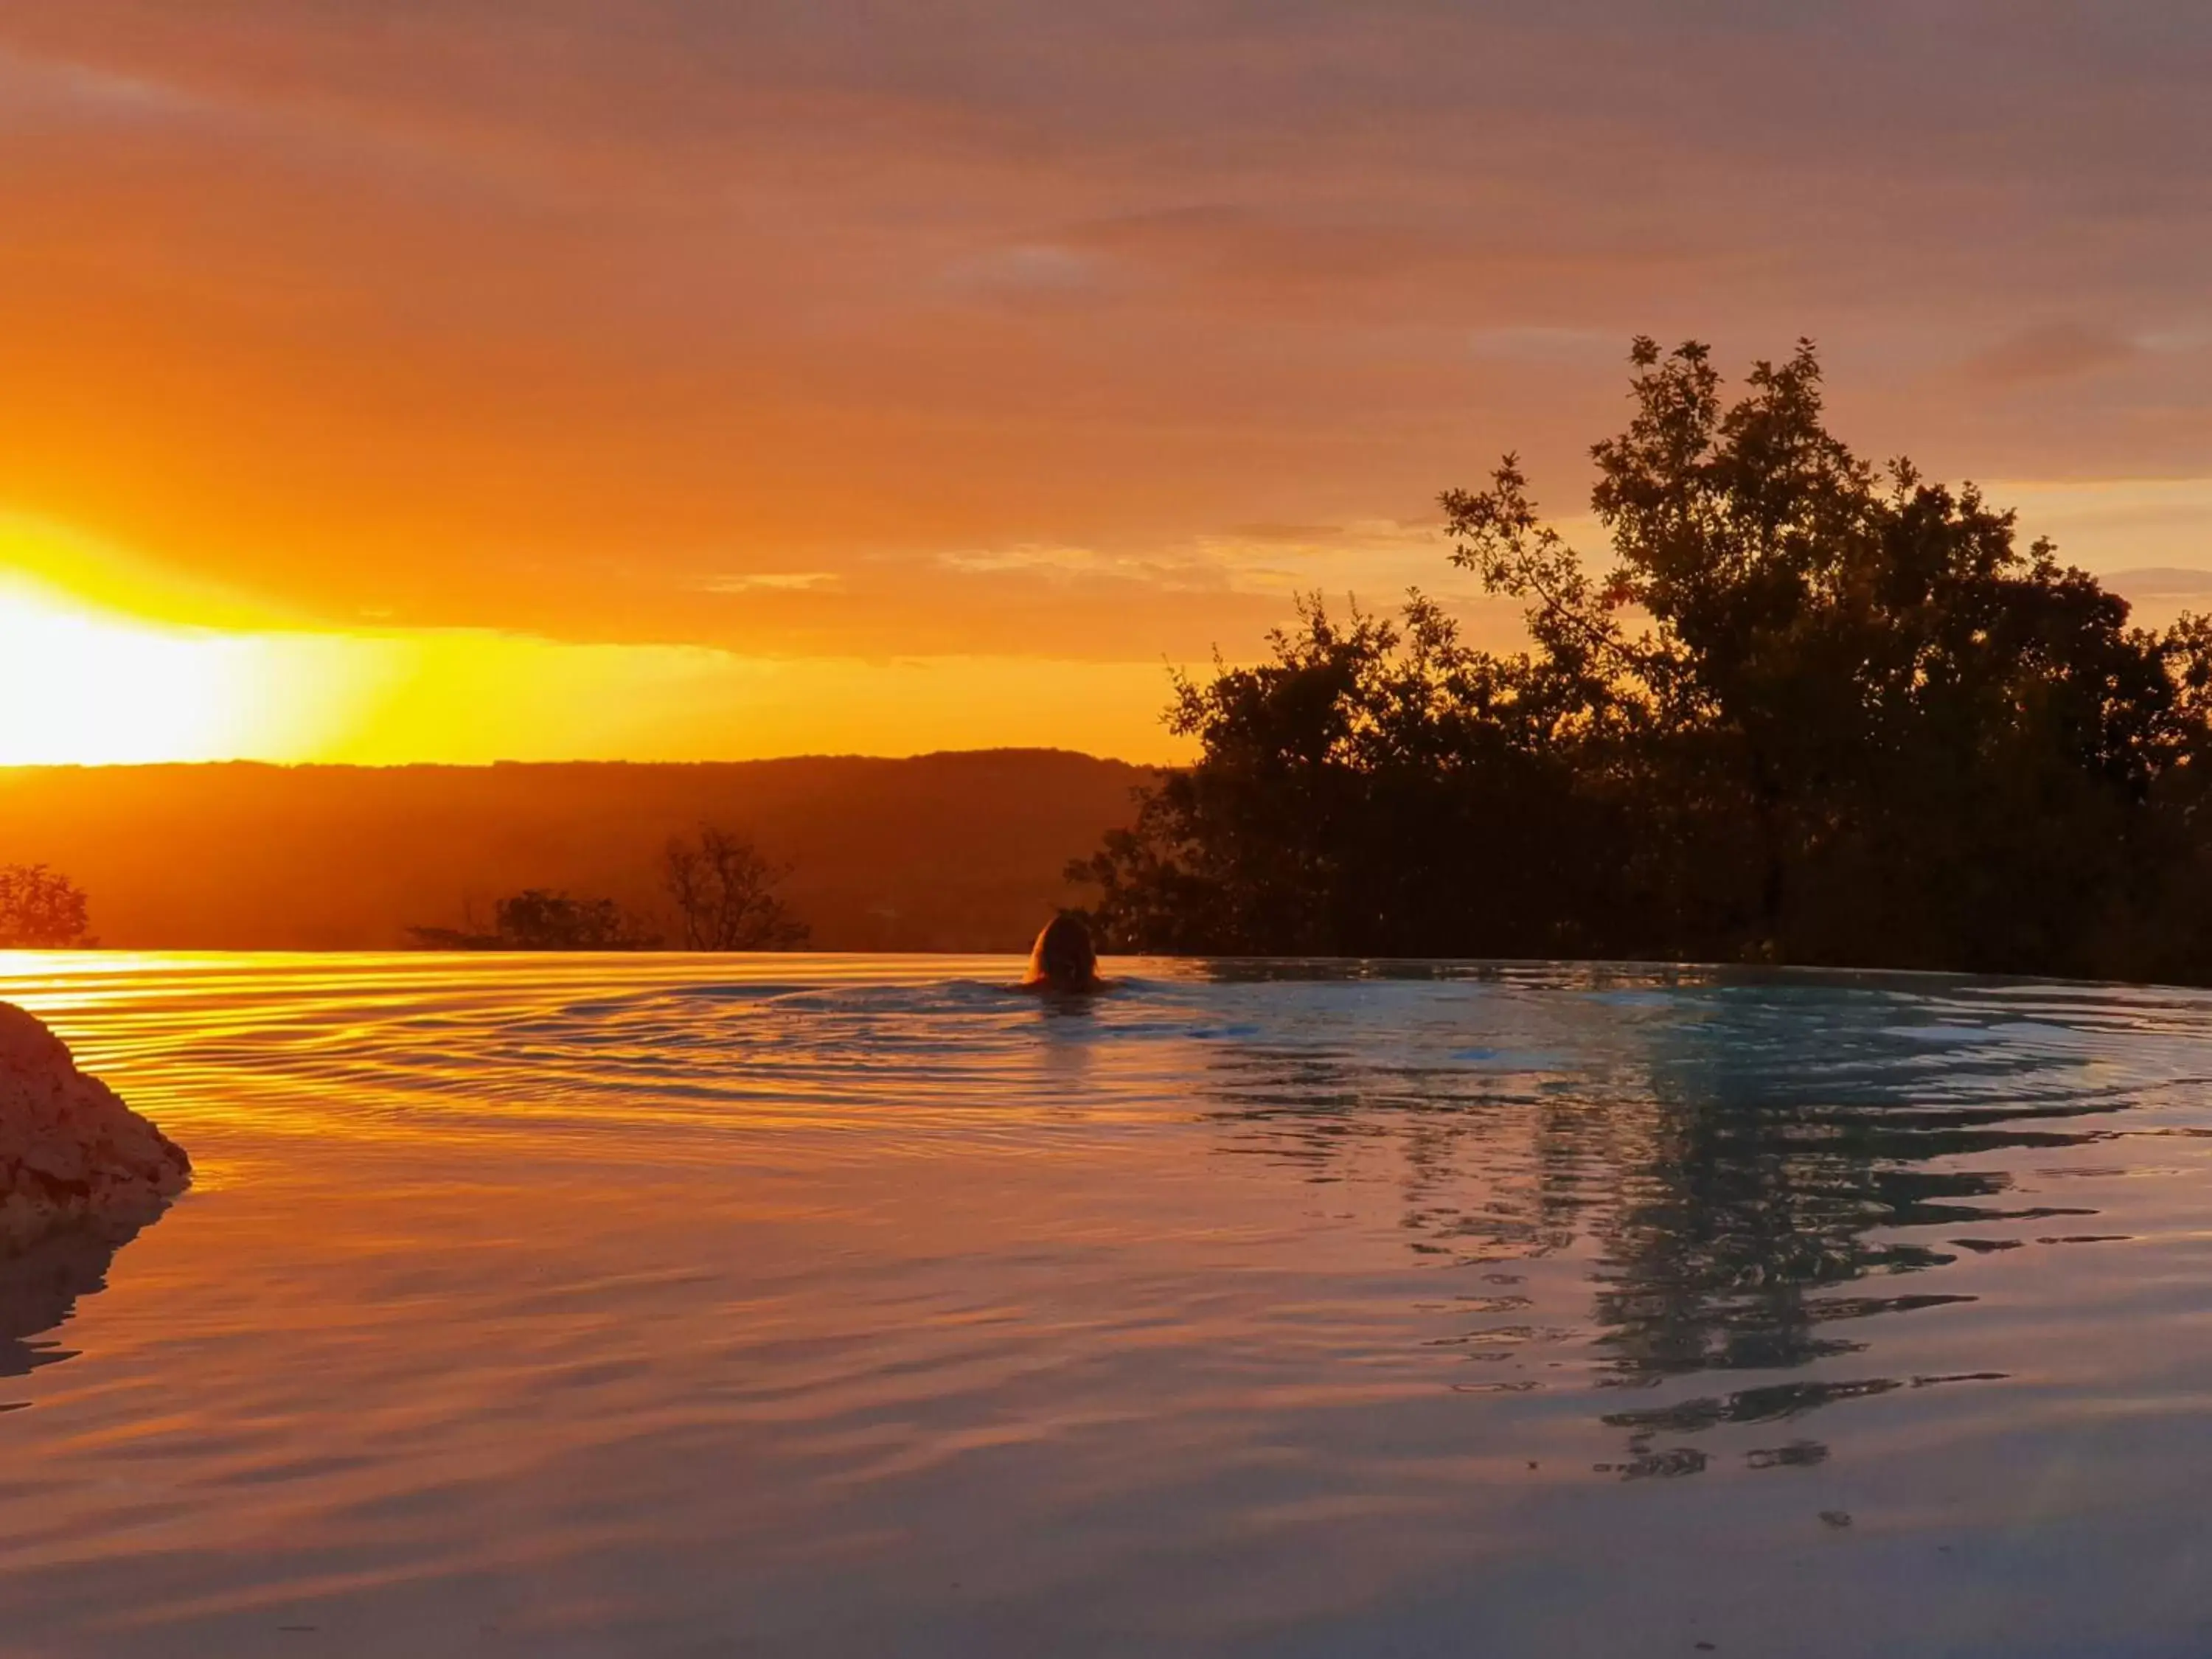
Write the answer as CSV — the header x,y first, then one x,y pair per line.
x,y
110,656
83,685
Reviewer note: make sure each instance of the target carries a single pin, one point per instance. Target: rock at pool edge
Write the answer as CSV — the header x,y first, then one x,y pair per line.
x,y
71,1153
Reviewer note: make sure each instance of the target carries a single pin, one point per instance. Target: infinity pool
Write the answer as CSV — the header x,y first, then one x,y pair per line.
x,y
856,1306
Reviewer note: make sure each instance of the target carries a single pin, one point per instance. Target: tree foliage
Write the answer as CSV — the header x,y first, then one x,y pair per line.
x,y
1816,711
722,888
724,892
543,919
42,910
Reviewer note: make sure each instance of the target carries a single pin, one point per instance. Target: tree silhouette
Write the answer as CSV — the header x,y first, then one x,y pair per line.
x,y
544,919
1816,711
724,890
1374,789
42,910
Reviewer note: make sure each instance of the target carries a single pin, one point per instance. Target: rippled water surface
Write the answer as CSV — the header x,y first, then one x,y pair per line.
x,y
823,1305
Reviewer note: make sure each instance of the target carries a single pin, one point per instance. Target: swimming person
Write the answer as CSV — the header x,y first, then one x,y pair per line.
x,y
1063,958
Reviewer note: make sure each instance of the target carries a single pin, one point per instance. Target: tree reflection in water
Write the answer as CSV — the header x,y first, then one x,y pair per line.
x,y
1743,1158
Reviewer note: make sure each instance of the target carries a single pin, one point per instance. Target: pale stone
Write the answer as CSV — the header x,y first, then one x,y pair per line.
x,y
71,1153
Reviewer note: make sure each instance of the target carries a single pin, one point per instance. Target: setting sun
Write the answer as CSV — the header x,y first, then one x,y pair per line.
x,y
108,657
87,686
104,689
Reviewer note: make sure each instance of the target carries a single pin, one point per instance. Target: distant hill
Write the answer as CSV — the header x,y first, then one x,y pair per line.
x,y
946,852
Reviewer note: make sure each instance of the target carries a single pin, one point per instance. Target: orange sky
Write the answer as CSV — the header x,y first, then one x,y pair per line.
x,y
665,378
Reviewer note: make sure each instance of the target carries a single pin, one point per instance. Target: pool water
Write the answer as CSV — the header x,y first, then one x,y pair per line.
x,y
859,1306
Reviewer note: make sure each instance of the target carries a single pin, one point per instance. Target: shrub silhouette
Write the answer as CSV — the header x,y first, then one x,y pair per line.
x,y
1816,712
544,919
42,910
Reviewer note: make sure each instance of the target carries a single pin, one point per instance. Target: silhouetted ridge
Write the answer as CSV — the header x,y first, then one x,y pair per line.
x,y
961,851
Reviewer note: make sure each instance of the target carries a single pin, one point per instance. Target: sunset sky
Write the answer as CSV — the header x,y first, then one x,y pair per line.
x,y
467,379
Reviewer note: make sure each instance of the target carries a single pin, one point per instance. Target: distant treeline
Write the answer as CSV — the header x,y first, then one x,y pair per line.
x,y
720,887
954,852
1816,712
723,891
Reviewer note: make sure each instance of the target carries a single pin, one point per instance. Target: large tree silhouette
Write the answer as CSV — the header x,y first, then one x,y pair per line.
x,y
1816,711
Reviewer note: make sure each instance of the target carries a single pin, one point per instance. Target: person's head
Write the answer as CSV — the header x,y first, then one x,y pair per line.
x,y
1063,957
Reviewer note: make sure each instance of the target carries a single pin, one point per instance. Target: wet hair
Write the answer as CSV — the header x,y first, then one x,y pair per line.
x,y
1063,957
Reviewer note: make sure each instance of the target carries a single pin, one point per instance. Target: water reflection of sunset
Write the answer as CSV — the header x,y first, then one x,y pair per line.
x,y
869,1304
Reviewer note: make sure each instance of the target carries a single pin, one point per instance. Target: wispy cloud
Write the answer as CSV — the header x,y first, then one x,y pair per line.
x,y
35,90
2160,582
777,581
1537,344
1027,274
2052,351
